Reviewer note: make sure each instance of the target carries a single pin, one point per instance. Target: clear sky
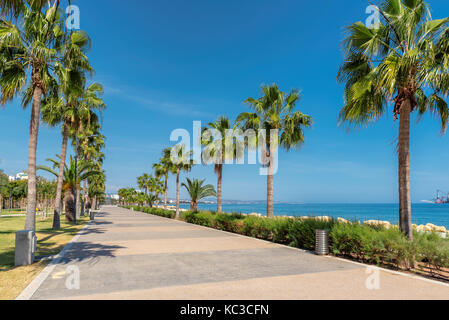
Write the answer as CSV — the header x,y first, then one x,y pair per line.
x,y
167,63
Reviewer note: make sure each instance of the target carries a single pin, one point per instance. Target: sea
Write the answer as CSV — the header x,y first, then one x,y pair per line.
x,y
422,213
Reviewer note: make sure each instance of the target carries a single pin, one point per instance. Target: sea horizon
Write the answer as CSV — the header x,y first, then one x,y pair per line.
x,y
422,213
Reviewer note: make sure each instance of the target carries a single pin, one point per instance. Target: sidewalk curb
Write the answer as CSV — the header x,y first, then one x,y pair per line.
x,y
34,285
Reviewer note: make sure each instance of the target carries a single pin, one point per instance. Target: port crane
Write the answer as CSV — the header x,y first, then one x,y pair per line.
x,y
441,199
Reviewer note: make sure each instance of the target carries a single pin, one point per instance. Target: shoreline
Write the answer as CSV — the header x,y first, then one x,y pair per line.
x,y
421,227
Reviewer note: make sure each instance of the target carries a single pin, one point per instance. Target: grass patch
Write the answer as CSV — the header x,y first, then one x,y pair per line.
x,y
49,242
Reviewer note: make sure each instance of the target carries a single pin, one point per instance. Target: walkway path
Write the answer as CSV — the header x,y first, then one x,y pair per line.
x,y
132,255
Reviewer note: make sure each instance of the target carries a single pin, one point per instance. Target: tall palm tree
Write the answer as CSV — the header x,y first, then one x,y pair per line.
x,y
218,150
403,63
63,105
181,159
198,191
96,188
86,128
143,182
28,53
83,171
274,111
156,187
163,169
92,143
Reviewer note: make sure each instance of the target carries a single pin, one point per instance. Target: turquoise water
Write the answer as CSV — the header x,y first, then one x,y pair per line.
x,y
422,213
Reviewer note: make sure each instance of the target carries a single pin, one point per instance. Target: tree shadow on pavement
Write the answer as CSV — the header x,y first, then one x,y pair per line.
x,y
83,251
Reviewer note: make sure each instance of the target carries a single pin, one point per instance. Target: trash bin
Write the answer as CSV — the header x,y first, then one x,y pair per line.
x,y
25,247
322,242
91,215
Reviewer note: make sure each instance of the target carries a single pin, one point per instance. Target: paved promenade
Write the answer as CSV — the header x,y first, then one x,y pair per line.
x,y
133,255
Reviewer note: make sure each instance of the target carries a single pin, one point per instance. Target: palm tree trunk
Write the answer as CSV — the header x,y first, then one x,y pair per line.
x,y
219,175
165,192
69,205
57,211
405,208
177,194
83,201
270,184
78,204
30,221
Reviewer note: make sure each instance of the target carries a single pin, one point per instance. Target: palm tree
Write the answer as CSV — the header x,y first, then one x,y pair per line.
x,y
217,149
155,186
152,198
198,191
86,130
16,7
63,105
402,63
181,159
93,142
274,115
129,195
144,182
122,195
163,168
28,53
96,188
83,171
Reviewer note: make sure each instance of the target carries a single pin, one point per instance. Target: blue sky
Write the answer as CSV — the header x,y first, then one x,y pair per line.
x,y
167,63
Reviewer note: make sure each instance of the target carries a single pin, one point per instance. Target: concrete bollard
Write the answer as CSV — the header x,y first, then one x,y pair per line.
x,y
26,241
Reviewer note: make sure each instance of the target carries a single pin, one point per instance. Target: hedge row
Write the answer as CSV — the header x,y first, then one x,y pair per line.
x,y
362,242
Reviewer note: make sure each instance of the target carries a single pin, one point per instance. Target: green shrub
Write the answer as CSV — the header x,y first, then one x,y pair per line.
x,y
156,211
280,229
432,250
301,232
201,218
229,222
258,227
373,245
398,250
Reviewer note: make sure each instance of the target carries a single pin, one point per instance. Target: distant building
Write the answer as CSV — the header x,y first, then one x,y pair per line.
x,y
19,177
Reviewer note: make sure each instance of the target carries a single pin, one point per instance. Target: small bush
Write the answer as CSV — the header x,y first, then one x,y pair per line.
x,y
373,245
206,219
433,251
257,227
229,222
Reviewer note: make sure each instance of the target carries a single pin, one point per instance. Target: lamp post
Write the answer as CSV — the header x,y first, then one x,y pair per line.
x,y
76,177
